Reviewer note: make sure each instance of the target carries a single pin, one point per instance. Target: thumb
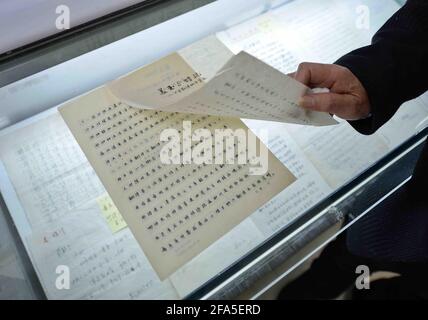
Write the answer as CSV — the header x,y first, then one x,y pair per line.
x,y
314,74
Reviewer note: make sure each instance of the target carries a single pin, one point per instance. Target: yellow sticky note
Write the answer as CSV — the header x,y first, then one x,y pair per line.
x,y
112,215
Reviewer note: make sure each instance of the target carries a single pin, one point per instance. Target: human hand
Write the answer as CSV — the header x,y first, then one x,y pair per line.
x,y
347,97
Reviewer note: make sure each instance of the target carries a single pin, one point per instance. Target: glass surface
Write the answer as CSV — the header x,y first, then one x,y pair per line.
x,y
58,203
30,21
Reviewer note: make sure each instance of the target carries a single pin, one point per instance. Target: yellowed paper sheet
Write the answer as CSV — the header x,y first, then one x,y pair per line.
x,y
248,88
244,87
174,211
159,84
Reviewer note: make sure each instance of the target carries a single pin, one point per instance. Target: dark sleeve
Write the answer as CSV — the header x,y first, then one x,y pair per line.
x,y
394,68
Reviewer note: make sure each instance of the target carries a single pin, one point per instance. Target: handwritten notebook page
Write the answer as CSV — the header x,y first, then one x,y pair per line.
x,y
174,211
48,169
244,87
309,188
263,37
340,153
324,31
99,262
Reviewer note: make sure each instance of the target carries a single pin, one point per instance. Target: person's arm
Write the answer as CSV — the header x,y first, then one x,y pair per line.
x,y
394,69
373,81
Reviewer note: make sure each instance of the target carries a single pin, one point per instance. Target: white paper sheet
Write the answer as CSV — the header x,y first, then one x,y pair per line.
x,y
317,30
217,257
100,263
339,153
308,190
264,38
409,119
48,170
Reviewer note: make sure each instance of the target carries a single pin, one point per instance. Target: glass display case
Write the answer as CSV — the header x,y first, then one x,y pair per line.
x,y
55,211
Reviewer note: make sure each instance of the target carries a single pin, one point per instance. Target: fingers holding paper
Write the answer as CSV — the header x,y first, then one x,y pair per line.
x,y
347,98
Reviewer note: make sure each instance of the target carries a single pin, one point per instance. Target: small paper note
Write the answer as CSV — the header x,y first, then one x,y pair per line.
x,y
112,215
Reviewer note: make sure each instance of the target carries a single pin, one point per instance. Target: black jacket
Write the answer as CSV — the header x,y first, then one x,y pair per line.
x,y
394,69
